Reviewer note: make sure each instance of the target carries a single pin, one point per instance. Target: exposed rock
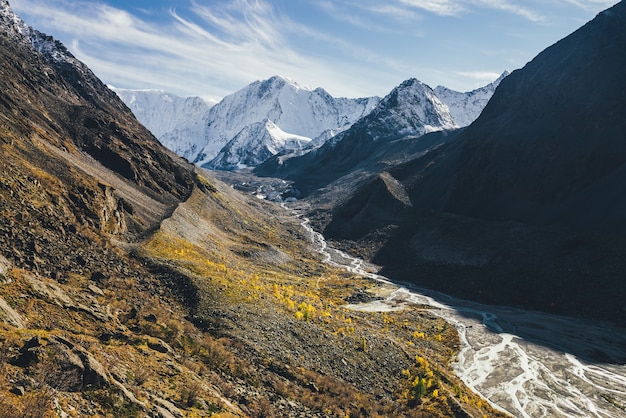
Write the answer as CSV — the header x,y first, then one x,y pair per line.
x,y
151,318
18,390
95,290
9,315
5,266
361,296
166,408
95,375
30,353
98,276
159,345
65,370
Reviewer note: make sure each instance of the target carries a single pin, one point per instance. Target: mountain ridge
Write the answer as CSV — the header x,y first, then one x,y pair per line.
x,y
407,113
321,117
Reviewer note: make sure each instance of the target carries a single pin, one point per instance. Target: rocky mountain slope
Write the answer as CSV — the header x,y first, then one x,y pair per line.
x,y
524,207
132,284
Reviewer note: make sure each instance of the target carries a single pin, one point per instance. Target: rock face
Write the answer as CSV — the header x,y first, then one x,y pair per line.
x,y
59,97
74,157
527,205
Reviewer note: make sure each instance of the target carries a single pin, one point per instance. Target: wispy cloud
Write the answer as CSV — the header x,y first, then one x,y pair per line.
x,y
440,7
507,6
456,7
395,11
482,76
352,14
213,48
207,51
242,45
589,4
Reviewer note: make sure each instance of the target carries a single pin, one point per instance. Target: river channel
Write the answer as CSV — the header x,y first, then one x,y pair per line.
x,y
525,363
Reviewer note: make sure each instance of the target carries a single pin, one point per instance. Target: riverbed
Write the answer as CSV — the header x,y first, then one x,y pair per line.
x,y
528,364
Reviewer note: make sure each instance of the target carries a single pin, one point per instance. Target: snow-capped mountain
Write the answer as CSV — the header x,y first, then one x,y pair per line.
x,y
179,123
255,144
411,110
466,107
262,119
278,115
297,111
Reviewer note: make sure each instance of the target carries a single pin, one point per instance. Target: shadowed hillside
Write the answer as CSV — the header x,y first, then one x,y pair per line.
x,y
526,206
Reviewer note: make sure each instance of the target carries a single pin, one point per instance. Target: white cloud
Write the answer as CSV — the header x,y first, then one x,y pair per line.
x,y
456,7
205,51
507,6
482,76
179,54
214,50
440,7
590,4
351,13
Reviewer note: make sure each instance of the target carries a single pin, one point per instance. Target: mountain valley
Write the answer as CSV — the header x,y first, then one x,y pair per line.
x,y
135,282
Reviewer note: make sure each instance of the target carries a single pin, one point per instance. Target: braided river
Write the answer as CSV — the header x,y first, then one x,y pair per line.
x,y
528,364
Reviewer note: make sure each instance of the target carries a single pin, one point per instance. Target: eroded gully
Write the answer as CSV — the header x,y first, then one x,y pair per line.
x,y
528,364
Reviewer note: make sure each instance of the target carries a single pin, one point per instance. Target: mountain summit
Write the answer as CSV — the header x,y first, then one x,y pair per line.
x,y
411,110
287,115
466,107
278,116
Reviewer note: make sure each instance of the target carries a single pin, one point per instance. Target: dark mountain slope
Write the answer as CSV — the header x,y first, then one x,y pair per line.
x,y
551,145
526,206
74,158
46,92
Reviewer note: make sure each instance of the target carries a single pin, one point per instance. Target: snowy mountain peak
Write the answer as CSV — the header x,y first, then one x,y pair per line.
x,y
300,111
466,107
278,114
179,123
256,143
279,82
412,108
16,28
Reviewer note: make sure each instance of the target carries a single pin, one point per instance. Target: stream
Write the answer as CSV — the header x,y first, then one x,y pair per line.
x,y
525,363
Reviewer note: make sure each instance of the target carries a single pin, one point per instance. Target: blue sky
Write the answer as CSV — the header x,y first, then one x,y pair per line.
x,y
352,48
